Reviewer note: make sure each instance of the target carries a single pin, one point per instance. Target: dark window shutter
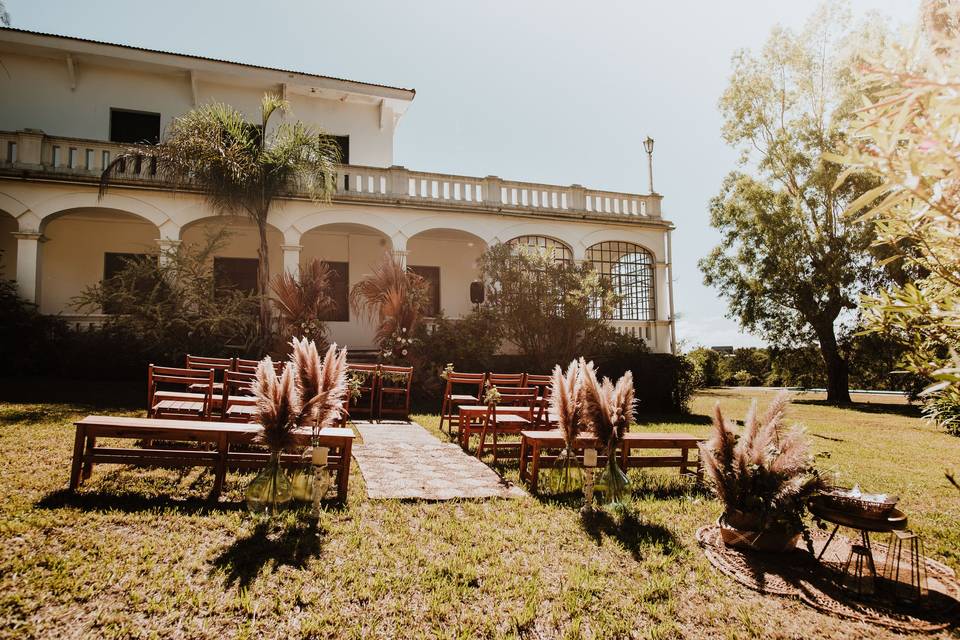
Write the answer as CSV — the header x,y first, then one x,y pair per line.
x,y
340,283
134,127
113,266
237,274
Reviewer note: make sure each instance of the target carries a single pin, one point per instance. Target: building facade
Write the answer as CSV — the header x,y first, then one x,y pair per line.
x,y
70,105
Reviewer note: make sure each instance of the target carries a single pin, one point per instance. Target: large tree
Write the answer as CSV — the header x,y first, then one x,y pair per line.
x,y
790,264
909,138
241,167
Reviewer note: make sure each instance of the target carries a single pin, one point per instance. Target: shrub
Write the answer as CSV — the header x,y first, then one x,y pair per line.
x,y
30,342
943,409
545,305
706,367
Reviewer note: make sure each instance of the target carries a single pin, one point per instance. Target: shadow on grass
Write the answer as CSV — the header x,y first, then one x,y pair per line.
x,y
905,410
632,532
132,503
291,546
671,418
82,394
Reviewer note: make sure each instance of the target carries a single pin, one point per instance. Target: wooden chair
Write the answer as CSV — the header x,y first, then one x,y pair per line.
x,y
363,405
544,385
244,365
219,366
394,382
185,404
448,407
238,403
513,422
506,379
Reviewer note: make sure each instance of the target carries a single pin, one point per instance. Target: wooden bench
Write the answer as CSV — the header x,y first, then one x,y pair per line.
x,y
684,442
540,449
86,452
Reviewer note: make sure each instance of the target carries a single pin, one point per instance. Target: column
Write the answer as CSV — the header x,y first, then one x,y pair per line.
x,y
28,264
291,258
168,248
399,249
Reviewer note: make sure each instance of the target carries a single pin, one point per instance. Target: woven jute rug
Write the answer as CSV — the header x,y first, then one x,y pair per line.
x,y
798,574
402,460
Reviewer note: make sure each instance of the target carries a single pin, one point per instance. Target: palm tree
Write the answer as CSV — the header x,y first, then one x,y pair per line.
x,y
241,167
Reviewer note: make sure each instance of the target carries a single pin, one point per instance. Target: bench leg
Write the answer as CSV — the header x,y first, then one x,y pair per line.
x,y
523,459
684,460
535,468
76,466
343,473
220,472
88,462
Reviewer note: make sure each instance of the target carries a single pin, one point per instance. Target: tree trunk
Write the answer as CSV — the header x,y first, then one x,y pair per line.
x,y
838,370
263,283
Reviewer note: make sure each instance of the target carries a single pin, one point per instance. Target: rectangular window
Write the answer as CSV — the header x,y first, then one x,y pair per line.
x,y
343,142
113,265
134,127
235,274
432,276
340,283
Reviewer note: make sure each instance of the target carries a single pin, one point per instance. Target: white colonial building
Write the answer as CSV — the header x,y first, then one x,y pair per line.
x,y
68,105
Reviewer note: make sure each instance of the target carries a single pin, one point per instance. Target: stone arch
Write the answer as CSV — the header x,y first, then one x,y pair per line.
x,y
11,205
619,235
58,205
477,228
329,217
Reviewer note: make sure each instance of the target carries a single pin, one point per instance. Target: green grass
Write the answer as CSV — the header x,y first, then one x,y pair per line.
x,y
141,553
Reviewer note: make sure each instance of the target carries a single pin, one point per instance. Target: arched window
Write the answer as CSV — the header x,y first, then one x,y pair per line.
x,y
629,267
545,245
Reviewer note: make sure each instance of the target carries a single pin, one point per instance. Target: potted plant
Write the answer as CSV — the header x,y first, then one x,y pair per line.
x,y
763,475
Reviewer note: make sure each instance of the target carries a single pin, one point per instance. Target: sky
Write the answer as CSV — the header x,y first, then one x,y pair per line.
x,y
557,91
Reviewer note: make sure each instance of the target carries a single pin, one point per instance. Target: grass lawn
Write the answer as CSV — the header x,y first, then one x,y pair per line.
x,y
140,553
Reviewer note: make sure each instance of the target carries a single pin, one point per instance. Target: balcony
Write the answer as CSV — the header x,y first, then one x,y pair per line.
x,y
32,154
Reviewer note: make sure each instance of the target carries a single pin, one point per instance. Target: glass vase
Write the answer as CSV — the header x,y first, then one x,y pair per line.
x,y
301,479
270,489
613,483
567,473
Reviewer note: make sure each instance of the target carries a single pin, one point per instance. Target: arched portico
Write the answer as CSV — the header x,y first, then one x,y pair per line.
x,y
79,246
447,258
350,249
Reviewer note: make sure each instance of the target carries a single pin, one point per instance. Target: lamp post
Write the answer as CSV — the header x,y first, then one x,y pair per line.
x,y
648,145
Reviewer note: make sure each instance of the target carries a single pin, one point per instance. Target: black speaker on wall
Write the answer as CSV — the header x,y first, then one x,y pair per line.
x,y
476,292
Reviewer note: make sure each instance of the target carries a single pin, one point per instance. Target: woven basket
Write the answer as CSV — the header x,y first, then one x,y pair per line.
x,y
837,501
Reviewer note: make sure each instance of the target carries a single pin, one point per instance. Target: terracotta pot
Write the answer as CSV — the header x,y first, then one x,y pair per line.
x,y
757,540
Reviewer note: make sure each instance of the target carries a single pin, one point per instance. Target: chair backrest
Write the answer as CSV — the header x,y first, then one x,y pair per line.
x,y
471,379
180,377
506,379
393,377
238,383
250,366
203,362
517,396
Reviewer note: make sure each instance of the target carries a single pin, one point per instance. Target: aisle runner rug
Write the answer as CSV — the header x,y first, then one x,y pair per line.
x,y
403,460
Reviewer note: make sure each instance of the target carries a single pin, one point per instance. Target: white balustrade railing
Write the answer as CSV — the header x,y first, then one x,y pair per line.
x,y
35,151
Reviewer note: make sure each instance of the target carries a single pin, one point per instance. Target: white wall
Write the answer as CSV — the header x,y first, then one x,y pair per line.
x,y
37,95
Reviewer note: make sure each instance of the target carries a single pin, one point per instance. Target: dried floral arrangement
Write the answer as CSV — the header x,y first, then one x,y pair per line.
x,y
764,474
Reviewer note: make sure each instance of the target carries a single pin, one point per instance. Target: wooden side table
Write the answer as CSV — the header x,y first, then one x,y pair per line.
x,y
895,520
